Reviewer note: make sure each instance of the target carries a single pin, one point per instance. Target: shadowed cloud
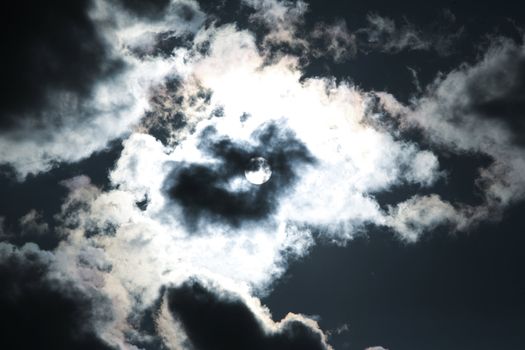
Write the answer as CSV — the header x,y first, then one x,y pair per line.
x,y
222,321
208,190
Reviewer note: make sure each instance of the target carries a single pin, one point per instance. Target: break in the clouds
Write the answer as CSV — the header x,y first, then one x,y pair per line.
x,y
179,229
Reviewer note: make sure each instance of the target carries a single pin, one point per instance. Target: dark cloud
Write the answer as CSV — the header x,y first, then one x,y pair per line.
x,y
36,314
222,321
202,189
48,48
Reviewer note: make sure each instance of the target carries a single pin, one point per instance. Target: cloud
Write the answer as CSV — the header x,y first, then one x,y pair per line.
x,y
475,109
216,319
67,115
39,311
315,134
494,89
281,20
220,190
336,41
33,224
339,330
54,50
128,255
353,158
421,214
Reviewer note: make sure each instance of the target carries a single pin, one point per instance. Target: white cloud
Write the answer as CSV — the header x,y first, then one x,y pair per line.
x,y
421,214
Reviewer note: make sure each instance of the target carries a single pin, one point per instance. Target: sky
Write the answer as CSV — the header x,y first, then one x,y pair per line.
x,y
262,174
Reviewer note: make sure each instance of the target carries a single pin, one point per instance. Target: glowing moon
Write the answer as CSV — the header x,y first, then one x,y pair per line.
x,y
258,171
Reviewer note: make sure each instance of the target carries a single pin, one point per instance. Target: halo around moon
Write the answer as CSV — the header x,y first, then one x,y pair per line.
x,y
258,171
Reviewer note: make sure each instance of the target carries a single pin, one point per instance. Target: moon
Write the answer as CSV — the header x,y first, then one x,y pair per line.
x,y
258,171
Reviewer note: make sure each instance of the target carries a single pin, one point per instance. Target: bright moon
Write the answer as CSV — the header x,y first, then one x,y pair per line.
x,y
258,171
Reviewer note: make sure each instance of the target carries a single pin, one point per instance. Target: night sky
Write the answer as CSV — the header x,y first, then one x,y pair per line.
x,y
262,174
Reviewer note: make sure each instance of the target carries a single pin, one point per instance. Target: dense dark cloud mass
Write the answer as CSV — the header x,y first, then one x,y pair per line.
x,y
37,313
214,320
204,190
49,48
